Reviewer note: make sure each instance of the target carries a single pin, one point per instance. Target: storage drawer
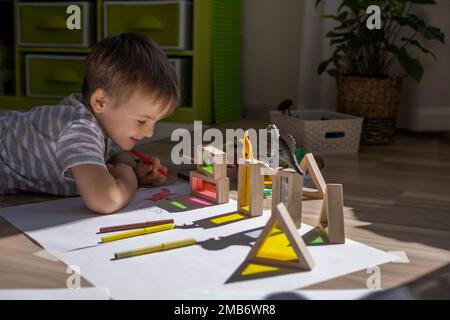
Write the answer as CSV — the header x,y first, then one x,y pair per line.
x,y
183,68
169,23
43,24
53,76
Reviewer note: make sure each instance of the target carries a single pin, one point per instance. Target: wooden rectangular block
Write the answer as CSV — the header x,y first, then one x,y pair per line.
x,y
332,214
217,191
287,187
216,167
250,189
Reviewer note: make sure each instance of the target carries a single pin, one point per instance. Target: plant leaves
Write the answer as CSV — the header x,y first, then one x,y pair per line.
x,y
417,24
412,67
418,45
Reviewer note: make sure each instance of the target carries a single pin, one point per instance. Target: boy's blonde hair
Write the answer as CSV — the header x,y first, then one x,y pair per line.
x,y
130,61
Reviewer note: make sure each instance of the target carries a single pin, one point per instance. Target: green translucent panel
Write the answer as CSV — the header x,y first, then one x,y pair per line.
x,y
325,226
318,240
208,168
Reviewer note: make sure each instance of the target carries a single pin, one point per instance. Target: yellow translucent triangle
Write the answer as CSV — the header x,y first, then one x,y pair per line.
x,y
276,246
253,268
227,218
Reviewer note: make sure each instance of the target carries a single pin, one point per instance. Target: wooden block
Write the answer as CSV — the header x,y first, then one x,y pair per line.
x,y
282,246
217,163
250,188
217,191
309,164
332,214
287,187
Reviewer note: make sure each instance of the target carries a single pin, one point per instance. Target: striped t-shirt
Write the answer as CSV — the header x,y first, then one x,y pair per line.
x,y
38,147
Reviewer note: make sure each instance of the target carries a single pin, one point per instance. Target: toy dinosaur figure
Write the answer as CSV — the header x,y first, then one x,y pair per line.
x,y
247,149
288,150
284,106
288,147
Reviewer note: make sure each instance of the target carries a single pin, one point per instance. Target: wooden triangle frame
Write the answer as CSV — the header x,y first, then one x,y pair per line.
x,y
286,224
332,215
309,164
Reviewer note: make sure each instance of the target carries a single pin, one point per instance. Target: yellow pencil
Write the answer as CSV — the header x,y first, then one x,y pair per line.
x,y
139,232
156,248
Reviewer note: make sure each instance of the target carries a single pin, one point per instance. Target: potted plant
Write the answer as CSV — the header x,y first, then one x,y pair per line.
x,y
362,61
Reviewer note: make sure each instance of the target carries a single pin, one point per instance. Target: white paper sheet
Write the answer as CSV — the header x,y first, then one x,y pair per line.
x,y
214,264
55,294
66,224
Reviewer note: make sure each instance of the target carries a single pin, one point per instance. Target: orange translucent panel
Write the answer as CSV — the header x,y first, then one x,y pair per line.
x,y
205,188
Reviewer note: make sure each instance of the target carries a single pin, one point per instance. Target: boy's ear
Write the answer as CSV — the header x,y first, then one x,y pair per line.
x,y
98,100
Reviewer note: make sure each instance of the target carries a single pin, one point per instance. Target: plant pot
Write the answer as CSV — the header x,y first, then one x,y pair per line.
x,y
375,100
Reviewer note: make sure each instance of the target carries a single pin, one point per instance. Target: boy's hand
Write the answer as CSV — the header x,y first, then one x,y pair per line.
x,y
148,174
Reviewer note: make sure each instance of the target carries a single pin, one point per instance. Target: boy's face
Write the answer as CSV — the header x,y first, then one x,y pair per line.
x,y
132,120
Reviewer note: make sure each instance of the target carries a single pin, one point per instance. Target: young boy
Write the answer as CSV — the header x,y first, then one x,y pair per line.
x,y
80,147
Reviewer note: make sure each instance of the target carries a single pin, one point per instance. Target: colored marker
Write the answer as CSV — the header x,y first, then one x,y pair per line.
x,y
140,225
156,248
139,232
148,161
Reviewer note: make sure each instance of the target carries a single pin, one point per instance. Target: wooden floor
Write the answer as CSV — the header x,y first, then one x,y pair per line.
x,y
397,198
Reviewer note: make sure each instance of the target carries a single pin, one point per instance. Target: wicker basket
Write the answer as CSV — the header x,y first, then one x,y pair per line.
x,y
321,132
374,100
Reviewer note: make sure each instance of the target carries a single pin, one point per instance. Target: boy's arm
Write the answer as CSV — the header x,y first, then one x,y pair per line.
x,y
124,157
102,191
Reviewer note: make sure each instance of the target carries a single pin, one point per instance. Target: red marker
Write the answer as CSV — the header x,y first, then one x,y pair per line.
x,y
148,161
